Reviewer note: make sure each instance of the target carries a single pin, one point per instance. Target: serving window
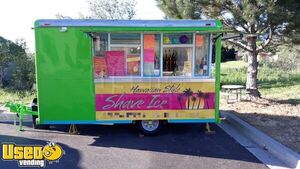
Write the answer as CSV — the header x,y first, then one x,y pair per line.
x,y
125,38
177,54
151,55
202,55
100,43
130,60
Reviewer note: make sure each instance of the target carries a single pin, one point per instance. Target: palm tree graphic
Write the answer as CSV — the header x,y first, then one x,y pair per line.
x,y
188,92
179,98
194,98
199,95
206,97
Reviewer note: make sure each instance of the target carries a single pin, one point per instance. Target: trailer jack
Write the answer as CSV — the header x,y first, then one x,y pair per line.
x,y
208,129
73,129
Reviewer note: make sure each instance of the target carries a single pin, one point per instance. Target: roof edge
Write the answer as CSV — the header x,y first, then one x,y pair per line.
x,y
125,23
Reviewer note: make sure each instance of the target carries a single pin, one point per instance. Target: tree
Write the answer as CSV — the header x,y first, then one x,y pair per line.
x,y
112,9
4,59
60,16
9,52
259,20
16,66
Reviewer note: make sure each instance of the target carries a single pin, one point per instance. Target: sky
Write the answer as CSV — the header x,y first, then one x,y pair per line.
x,y
17,16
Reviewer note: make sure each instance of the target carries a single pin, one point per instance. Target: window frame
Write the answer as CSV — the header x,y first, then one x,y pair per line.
x,y
209,57
162,45
160,54
183,46
124,46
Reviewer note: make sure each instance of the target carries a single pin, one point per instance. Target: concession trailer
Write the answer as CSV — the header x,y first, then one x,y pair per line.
x,y
147,72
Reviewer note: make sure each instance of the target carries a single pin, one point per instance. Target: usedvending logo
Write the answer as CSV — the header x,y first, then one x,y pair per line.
x,y
32,155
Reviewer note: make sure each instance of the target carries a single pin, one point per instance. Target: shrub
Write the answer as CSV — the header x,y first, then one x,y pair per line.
x,y
288,58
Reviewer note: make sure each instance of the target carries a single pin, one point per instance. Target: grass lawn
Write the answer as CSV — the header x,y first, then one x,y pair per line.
x,y
16,96
233,64
279,85
287,94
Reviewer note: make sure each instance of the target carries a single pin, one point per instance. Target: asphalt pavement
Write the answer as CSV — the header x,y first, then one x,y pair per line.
x,y
121,147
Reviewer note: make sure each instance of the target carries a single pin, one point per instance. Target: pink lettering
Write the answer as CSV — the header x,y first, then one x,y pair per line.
x,y
121,103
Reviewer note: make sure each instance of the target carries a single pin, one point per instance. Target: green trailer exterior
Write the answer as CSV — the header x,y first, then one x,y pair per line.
x,y
64,67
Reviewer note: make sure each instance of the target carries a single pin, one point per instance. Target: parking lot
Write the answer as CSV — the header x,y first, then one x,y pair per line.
x,y
121,146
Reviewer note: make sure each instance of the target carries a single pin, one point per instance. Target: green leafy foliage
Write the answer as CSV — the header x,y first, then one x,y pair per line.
x,y
182,9
260,21
16,96
16,66
288,58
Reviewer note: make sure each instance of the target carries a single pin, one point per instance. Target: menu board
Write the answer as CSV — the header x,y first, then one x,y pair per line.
x,y
187,67
100,68
149,55
199,40
115,61
149,48
149,41
133,65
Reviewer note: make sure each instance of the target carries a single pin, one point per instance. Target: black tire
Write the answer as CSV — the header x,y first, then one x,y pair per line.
x,y
34,107
150,131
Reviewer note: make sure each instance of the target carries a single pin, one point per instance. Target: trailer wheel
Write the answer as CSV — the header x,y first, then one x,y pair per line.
x,y
34,107
150,127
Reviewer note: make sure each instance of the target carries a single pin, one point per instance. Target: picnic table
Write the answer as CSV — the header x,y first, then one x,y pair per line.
x,y
233,89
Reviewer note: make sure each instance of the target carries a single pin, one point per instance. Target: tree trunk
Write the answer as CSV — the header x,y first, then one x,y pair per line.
x,y
251,84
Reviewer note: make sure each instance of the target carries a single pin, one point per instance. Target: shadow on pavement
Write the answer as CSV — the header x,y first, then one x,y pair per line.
x,y
185,139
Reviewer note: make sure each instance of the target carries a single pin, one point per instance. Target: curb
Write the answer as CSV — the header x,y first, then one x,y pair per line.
x,y
279,151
